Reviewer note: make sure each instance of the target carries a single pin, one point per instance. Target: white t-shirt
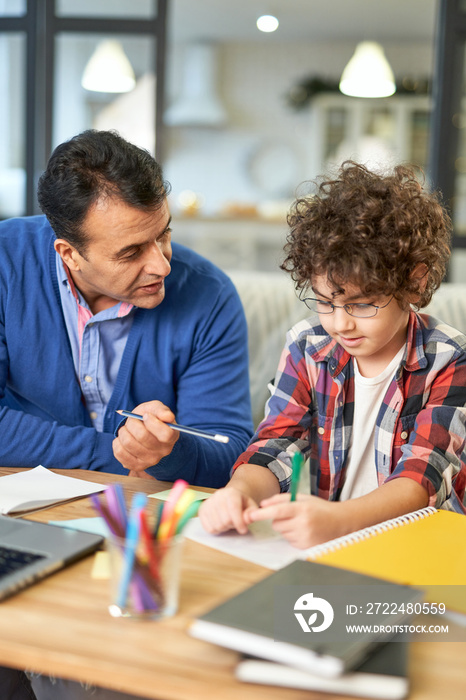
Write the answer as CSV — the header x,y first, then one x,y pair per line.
x,y
361,473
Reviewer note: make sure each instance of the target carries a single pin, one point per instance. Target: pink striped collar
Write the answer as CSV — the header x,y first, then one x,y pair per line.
x,y
84,313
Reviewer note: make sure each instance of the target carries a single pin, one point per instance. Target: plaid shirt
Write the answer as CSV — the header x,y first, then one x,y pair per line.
x,y
421,426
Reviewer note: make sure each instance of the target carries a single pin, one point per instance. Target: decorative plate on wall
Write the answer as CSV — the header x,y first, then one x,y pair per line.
x,y
273,169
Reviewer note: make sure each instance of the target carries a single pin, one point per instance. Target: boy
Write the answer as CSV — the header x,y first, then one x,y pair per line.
x,y
370,391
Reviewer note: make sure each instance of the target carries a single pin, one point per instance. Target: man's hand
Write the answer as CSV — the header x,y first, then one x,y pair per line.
x,y
142,444
225,510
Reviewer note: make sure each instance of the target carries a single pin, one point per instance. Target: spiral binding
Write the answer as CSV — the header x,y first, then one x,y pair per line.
x,y
365,533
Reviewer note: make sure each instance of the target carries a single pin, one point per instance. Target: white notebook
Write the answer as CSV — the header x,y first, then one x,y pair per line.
x,y
32,489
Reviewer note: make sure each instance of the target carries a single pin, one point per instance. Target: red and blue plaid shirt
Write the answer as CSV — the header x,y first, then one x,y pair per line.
x,y
421,426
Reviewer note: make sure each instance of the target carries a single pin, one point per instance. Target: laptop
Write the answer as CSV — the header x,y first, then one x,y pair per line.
x,y
30,551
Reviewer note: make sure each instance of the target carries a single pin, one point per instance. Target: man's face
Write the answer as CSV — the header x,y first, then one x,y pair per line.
x,y
127,256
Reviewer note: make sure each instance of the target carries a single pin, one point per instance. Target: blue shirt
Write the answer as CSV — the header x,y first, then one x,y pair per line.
x,y
97,347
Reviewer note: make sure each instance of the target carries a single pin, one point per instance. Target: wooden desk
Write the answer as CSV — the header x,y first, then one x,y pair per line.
x,y
61,626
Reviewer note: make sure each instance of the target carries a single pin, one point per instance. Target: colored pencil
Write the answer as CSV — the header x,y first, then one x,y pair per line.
x,y
132,539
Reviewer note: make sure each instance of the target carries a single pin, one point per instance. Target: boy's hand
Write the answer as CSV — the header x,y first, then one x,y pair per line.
x,y
141,444
311,520
305,522
226,510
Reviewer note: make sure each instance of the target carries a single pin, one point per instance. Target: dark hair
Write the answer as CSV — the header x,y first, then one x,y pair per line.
x,y
371,230
90,166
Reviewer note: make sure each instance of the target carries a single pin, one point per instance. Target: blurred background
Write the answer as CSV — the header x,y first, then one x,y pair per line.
x,y
238,117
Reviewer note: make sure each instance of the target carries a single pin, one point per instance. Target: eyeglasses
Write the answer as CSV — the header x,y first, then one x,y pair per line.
x,y
357,310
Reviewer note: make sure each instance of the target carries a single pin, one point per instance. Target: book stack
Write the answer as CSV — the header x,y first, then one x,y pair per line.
x,y
362,663
387,559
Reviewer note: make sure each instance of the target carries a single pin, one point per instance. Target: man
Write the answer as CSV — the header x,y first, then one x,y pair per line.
x,y
100,312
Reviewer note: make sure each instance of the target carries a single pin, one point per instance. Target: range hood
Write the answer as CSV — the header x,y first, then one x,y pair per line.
x,y
198,104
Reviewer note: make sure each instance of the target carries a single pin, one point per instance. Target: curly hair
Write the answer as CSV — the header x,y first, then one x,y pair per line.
x,y
373,231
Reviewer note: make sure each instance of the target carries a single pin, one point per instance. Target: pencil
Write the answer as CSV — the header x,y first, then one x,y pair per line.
x,y
180,428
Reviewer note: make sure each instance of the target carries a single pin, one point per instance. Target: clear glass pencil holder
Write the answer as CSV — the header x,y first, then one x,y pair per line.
x,y
144,581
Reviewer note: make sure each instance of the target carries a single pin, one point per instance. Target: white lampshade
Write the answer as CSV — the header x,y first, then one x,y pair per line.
x,y
108,69
368,73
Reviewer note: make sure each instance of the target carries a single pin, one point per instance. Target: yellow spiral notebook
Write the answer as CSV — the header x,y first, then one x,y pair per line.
x,y
426,549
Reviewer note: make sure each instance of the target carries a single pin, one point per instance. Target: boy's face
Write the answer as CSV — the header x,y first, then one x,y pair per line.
x,y
374,341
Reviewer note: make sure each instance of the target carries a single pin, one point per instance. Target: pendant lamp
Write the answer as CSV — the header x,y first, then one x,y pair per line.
x,y
368,73
108,69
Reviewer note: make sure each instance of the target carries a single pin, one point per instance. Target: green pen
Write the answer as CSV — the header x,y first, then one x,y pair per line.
x,y
296,463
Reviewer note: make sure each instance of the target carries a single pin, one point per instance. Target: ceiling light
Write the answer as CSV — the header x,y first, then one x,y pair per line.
x,y
368,73
267,23
108,69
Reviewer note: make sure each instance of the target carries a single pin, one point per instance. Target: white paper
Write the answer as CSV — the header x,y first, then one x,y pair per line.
x,y
261,545
38,488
